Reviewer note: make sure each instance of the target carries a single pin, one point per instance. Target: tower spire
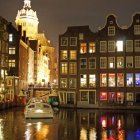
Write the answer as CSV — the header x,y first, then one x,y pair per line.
x,y
27,3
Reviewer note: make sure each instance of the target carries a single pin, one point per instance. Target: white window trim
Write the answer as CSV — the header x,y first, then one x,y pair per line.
x,y
86,63
105,58
105,46
112,34
66,39
75,41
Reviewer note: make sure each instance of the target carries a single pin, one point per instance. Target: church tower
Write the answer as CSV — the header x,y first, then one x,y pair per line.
x,y
27,18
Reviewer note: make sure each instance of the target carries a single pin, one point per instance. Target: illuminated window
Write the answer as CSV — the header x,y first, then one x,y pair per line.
x,y
120,80
120,97
81,36
2,73
119,46
103,96
72,83
84,95
64,55
103,62
111,31
83,63
92,47
11,50
130,96
137,45
111,46
12,63
111,62
136,29
83,80
129,45
103,46
137,79
73,68
103,80
129,61
63,83
92,63
64,41
112,97
120,62
83,48
129,79
64,68
73,55
104,125
10,37
73,41
137,61
111,80
92,80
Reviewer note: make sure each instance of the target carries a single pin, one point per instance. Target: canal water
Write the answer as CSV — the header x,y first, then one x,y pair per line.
x,y
70,124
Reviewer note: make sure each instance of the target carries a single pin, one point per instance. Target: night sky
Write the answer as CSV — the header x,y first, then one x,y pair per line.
x,y
56,15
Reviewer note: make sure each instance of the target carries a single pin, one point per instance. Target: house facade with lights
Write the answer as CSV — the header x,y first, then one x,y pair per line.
x,y
106,65
3,53
77,69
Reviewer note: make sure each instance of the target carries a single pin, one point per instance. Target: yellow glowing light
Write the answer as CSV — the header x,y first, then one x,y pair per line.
x,y
83,134
39,124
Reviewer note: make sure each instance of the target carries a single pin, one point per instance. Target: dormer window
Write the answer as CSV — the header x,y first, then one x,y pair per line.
x,y
111,31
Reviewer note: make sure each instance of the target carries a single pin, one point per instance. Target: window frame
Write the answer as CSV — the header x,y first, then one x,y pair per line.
x,y
63,82
64,41
65,68
136,29
92,63
64,55
83,48
103,66
75,84
71,41
73,54
111,31
111,46
83,63
103,46
92,47
72,68
128,58
129,46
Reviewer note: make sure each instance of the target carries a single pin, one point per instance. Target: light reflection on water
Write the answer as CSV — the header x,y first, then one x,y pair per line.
x,y
71,124
1,129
